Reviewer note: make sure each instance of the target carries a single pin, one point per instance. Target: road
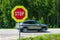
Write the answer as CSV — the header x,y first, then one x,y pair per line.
x,y
12,34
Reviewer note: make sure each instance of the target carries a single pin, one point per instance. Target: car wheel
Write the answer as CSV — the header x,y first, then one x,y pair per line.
x,y
25,29
21,30
43,29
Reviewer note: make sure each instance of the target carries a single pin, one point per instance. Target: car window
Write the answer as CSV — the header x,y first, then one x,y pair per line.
x,y
30,22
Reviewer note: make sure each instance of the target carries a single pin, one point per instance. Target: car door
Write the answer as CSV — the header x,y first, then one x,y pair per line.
x,y
33,25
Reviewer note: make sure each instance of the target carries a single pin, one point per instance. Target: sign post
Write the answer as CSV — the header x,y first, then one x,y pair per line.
x,y
19,31
19,14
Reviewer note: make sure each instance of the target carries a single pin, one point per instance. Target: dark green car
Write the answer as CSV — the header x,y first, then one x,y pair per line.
x,y
31,25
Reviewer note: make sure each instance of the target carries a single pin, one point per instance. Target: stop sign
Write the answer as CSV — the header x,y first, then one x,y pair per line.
x,y
19,13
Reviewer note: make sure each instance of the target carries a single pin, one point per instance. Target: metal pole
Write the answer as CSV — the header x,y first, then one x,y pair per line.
x,y
19,30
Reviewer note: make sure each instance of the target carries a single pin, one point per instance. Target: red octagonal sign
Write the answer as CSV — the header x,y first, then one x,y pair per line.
x,y
19,13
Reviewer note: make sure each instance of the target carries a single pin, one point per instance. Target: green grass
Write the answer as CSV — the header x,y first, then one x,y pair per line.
x,y
44,37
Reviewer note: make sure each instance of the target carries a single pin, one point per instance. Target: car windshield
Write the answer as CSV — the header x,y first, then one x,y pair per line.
x,y
31,22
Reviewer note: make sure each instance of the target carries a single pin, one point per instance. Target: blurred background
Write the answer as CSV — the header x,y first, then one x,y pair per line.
x,y
43,11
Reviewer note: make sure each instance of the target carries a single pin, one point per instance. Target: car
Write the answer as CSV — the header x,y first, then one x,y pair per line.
x,y
31,25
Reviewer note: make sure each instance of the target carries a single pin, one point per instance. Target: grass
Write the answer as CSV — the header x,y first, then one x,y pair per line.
x,y
44,37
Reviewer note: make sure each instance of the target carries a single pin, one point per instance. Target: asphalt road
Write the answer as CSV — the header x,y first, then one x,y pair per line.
x,y
13,34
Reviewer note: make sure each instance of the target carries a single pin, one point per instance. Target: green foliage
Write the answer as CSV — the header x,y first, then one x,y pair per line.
x,y
44,11
44,37
41,20
33,18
